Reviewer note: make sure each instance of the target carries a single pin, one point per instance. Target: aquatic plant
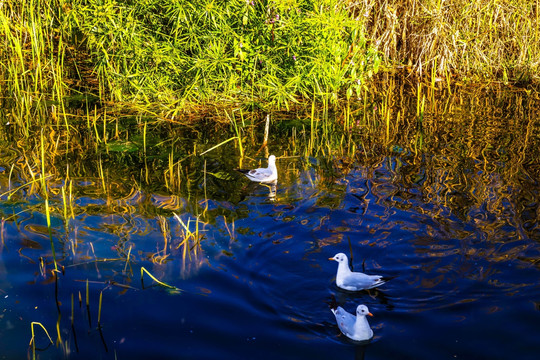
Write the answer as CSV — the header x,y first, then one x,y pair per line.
x,y
143,271
33,339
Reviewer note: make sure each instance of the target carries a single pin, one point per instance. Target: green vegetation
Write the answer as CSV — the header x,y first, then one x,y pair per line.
x,y
173,53
173,57
32,340
219,51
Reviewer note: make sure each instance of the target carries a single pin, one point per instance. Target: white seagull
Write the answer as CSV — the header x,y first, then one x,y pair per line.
x,y
353,281
263,175
354,327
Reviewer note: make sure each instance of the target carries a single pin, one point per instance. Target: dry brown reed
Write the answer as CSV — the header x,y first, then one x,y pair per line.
x,y
474,40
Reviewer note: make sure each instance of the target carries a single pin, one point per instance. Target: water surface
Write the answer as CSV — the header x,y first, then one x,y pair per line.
x,y
457,231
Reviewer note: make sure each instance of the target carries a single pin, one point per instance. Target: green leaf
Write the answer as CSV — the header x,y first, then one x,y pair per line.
x,y
122,146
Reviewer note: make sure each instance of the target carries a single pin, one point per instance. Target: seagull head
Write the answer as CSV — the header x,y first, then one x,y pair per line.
x,y
340,258
362,310
271,159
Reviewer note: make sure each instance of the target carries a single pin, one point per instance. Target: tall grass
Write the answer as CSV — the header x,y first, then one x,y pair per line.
x,y
462,40
167,56
32,57
273,53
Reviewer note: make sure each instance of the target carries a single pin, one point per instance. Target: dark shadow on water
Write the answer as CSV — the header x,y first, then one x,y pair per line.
x,y
341,297
360,352
360,347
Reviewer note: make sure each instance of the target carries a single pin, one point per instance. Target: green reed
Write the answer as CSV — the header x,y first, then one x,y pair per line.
x,y
143,271
33,69
171,51
33,339
99,308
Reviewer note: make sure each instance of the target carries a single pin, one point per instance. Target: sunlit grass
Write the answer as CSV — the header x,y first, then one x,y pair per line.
x,y
33,339
171,59
161,256
164,54
479,40
190,242
144,271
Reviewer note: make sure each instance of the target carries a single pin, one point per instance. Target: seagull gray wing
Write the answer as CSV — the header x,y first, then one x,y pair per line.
x,y
360,281
260,174
263,175
345,321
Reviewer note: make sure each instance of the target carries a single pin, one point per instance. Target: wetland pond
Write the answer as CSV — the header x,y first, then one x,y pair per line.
x,y
452,220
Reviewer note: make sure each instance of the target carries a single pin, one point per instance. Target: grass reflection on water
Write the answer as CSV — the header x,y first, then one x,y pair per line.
x,y
448,203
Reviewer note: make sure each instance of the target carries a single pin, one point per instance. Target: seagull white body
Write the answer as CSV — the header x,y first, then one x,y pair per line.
x,y
263,175
353,281
354,327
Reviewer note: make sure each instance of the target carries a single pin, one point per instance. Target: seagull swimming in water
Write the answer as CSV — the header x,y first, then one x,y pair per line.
x,y
354,327
354,281
263,175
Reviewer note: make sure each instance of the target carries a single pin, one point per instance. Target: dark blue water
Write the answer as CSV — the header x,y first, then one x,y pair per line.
x,y
461,244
